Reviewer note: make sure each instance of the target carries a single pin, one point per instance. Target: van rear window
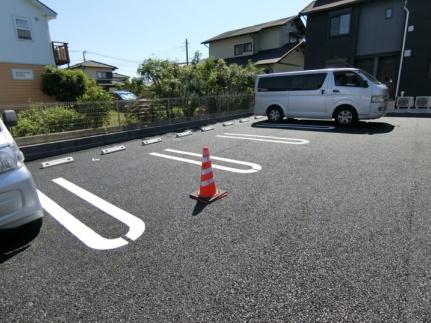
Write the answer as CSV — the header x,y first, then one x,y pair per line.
x,y
305,82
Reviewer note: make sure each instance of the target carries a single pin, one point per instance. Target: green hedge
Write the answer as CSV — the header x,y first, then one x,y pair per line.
x,y
35,121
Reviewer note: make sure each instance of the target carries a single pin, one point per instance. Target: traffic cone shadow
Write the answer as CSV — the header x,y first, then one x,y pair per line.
x,y
199,207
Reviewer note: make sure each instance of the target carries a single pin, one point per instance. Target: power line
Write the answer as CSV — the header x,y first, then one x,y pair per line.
x,y
175,49
113,57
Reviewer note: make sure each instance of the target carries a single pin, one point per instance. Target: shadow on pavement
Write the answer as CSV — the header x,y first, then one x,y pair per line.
x,y
15,241
361,128
199,207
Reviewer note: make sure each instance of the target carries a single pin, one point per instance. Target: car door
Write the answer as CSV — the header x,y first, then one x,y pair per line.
x,y
350,88
308,95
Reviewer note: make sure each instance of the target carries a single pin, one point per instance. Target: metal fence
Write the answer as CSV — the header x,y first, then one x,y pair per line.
x,y
85,118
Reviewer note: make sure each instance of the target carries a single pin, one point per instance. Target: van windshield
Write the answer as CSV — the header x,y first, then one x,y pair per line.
x,y
369,77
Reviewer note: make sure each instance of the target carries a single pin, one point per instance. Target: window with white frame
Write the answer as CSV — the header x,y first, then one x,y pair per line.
x,y
20,74
23,28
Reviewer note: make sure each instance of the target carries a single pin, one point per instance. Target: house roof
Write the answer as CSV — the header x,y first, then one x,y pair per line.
x,y
251,29
266,57
93,64
118,75
313,7
46,10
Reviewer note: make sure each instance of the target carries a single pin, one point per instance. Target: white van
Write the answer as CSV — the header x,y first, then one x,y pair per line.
x,y
19,202
344,94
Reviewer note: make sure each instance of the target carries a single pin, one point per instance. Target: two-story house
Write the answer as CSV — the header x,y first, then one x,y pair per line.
x,y
25,50
387,38
102,73
276,46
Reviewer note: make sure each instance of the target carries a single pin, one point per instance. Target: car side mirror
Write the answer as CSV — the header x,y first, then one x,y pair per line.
x,y
364,83
10,118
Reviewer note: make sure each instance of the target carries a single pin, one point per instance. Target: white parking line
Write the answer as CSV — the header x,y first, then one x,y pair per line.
x,y
83,232
293,126
282,140
254,168
90,238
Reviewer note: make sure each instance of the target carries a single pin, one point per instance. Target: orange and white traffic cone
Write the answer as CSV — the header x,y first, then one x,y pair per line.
x,y
208,191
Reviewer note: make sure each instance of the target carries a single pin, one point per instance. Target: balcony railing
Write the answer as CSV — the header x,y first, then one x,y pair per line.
x,y
61,53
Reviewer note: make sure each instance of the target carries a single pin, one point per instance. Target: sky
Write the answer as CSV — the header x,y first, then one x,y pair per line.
x,y
124,33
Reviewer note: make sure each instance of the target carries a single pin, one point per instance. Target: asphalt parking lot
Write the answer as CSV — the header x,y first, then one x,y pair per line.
x,y
320,224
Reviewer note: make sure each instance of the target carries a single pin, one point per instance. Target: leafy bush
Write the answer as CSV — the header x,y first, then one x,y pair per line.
x,y
36,121
94,105
64,84
132,110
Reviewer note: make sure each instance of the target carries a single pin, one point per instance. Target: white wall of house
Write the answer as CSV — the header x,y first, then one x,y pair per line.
x,y
225,48
13,50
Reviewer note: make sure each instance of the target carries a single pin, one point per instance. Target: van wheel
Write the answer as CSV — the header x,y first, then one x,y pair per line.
x,y
345,116
275,114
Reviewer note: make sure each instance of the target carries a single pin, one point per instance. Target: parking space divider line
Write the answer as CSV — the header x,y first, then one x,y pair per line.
x,y
90,238
254,168
292,141
135,224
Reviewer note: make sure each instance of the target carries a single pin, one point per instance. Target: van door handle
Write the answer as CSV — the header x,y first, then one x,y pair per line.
x,y
336,91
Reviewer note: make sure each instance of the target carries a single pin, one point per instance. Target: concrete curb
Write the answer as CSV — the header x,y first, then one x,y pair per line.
x,y
38,151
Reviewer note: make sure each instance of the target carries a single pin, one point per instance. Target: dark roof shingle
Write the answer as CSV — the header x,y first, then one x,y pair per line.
x,y
313,7
93,64
250,30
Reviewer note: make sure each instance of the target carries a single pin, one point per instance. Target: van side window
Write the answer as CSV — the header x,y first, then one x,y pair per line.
x,y
349,79
272,84
306,82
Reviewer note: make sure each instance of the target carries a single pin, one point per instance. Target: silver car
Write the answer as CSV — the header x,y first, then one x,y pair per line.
x,y
19,202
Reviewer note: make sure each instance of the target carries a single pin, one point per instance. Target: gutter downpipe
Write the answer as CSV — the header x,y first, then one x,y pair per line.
x,y
403,49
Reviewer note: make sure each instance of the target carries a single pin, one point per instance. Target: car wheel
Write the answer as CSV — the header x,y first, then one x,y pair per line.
x,y
345,116
275,114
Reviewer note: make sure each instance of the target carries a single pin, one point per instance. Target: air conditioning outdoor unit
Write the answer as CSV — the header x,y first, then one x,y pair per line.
x,y
405,102
423,102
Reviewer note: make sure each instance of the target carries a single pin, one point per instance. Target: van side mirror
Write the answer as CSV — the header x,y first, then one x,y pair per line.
x,y
364,83
10,118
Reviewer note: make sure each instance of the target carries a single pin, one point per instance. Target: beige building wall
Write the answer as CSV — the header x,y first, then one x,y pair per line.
x,y
225,48
284,33
21,91
295,58
268,39
291,63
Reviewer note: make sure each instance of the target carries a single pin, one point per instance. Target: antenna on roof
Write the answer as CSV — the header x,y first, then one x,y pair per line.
x,y
83,55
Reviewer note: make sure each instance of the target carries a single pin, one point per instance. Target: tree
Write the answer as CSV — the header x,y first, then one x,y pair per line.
x,y
135,85
202,78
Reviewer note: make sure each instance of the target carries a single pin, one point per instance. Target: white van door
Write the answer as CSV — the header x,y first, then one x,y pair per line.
x,y
350,88
308,95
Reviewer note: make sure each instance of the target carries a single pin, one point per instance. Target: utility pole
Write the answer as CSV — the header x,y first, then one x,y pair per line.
x,y
83,55
187,51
